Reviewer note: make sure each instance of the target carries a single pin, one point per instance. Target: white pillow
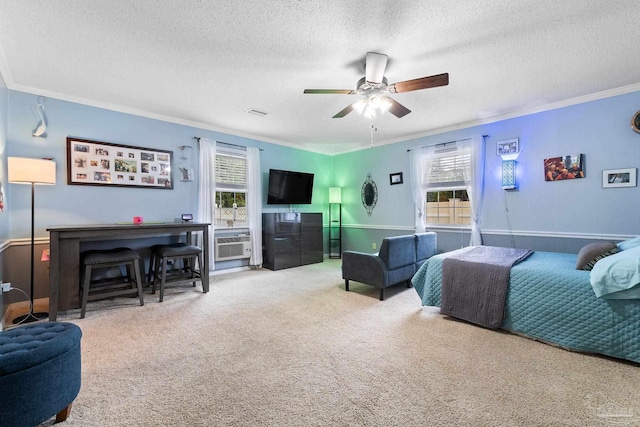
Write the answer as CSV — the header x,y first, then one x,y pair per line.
x,y
614,274
629,244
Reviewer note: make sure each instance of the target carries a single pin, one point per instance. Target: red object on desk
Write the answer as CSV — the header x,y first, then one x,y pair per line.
x,y
137,220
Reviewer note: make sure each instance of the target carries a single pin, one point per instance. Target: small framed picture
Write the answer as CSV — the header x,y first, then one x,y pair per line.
x,y
564,167
612,178
509,146
395,178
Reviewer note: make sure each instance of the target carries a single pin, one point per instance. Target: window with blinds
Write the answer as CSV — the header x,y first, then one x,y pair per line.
x,y
447,198
231,189
231,171
448,168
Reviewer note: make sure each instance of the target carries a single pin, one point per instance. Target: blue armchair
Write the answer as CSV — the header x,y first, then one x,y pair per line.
x,y
426,247
394,264
398,260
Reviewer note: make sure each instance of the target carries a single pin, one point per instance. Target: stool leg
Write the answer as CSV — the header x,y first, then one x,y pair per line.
x,y
200,264
152,259
156,266
129,279
136,272
192,264
186,265
85,290
200,270
163,277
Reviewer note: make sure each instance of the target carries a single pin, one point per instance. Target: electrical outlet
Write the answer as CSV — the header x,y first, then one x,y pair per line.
x,y
374,246
6,287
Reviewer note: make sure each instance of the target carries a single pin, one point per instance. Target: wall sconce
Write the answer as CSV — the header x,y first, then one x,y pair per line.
x,y
509,175
41,129
183,154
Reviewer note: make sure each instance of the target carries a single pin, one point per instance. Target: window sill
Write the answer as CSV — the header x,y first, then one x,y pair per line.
x,y
449,226
218,228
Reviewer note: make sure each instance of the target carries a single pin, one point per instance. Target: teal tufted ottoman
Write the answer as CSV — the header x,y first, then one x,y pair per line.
x,y
39,372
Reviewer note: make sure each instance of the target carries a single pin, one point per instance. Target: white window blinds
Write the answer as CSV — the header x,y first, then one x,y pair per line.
x,y
448,168
231,172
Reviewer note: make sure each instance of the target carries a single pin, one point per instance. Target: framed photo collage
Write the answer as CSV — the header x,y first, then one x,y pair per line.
x,y
102,163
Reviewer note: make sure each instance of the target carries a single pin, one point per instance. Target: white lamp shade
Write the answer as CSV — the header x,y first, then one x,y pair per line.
x,y
22,170
335,195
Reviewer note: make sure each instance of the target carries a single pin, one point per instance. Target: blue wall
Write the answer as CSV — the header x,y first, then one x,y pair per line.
x,y
554,211
76,204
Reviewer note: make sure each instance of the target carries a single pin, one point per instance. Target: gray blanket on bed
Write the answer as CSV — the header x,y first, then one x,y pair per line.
x,y
474,283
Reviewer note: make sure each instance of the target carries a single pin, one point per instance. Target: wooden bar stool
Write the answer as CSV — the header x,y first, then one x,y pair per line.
x,y
105,288
187,254
153,259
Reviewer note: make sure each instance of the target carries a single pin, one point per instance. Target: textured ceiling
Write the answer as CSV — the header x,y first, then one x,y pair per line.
x,y
205,63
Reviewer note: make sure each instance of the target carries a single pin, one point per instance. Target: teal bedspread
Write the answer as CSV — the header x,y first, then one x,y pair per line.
x,y
549,300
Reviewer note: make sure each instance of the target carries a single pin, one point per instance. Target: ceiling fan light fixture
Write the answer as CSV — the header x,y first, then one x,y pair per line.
x,y
374,101
369,112
385,104
373,88
360,105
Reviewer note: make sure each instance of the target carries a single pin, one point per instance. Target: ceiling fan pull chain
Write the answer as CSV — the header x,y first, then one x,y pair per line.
x,y
373,129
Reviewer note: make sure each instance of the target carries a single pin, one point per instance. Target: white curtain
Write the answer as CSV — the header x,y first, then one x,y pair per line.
x,y
474,181
206,191
254,195
421,160
418,191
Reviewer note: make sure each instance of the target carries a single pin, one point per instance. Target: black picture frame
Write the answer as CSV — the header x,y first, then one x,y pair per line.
x,y
106,164
395,178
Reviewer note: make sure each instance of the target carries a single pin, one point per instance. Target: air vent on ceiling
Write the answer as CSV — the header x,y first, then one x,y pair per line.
x,y
256,112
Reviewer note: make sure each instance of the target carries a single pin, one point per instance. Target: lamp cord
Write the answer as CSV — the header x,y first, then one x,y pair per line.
x,y
30,306
506,210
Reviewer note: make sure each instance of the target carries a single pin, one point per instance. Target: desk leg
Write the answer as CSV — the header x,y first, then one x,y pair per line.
x,y
64,284
69,277
205,259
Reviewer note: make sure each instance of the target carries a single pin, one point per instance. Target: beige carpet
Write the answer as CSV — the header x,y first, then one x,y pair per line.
x,y
292,348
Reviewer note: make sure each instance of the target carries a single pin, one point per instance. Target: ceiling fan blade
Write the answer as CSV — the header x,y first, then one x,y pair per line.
x,y
421,83
344,112
396,108
331,91
375,66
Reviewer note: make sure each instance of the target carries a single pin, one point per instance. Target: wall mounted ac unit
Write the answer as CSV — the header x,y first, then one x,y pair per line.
x,y
233,247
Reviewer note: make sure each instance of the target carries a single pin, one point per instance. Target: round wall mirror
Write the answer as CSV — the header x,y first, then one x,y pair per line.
x,y
369,194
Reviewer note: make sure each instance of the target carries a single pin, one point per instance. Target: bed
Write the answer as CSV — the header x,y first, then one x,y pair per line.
x,y
549,300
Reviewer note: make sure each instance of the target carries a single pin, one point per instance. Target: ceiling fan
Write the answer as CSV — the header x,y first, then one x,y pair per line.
x,y
373,89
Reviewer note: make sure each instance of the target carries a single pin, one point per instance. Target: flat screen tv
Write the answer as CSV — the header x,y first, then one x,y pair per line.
x,y
289,187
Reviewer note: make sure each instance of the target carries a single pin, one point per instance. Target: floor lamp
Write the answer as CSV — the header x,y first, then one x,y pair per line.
x,y
23,170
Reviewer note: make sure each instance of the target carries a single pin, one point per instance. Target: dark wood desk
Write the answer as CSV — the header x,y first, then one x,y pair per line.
x,y
64,277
